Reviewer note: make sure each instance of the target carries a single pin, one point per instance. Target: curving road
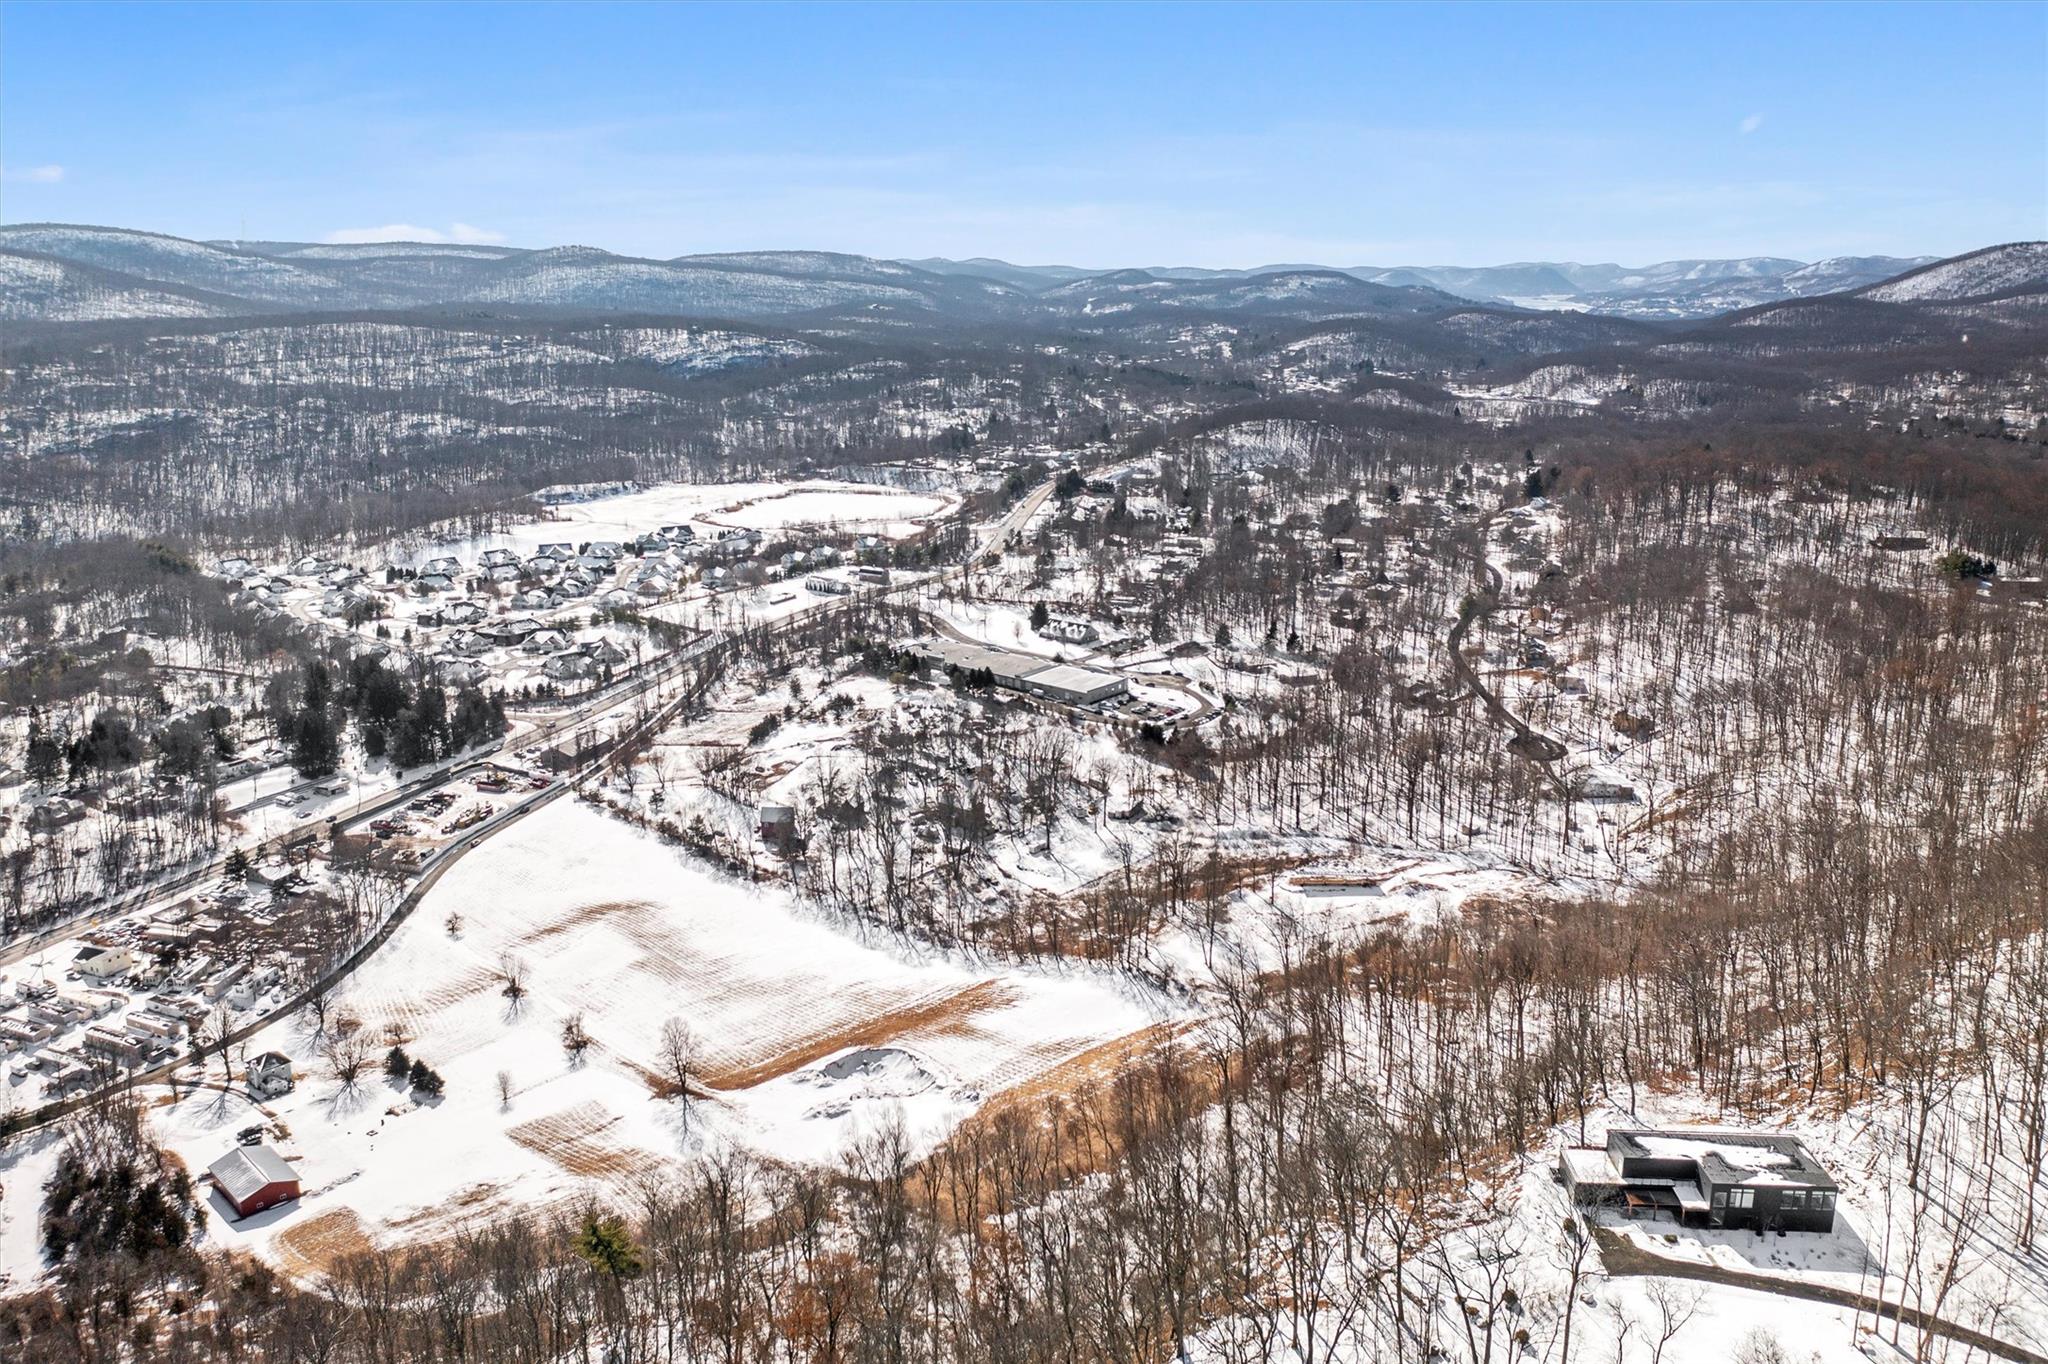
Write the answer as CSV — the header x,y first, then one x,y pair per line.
x,y
1529,742
654,675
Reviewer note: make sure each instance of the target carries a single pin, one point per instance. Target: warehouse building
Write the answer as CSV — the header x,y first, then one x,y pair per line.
x,y
1026,673
1074,686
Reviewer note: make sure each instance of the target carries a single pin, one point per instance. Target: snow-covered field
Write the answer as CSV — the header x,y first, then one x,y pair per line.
x,y
844,508
809,1038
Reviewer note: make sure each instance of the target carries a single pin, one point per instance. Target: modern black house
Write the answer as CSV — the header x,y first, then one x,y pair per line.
x,y
1708,1177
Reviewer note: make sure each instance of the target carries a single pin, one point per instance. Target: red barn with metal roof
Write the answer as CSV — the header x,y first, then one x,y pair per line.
x,y
253,1178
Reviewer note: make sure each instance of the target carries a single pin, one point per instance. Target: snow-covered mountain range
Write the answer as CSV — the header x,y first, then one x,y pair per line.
x,y
62,272
1678,289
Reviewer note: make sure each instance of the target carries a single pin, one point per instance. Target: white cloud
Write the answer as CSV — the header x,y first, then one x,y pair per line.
x,y
390,232
1751,124
461,233
35,175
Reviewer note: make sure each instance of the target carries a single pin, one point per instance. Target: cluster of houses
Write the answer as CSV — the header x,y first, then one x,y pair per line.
x,y
559,573
601,575
566,659
133,992
610,574
344,587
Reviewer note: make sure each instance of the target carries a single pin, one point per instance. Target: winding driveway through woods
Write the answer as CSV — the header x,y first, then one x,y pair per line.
x,y
1621,1259
1529,742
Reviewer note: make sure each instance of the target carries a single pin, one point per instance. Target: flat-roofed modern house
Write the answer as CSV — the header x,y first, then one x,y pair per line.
x,y
1704,1176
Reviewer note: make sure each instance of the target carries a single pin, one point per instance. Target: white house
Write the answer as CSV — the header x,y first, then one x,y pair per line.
x,y
270,1075
569,666
1068,629
102,962
545,642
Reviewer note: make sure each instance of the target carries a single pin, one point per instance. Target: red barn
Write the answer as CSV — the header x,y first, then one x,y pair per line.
x,y
253,1178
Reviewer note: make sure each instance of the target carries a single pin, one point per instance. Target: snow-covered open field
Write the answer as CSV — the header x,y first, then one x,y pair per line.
x,y
809,1036
845,508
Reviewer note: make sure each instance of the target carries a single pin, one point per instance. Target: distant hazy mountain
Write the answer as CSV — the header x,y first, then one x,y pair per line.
x,y
62,272
294,276
1678,289
45,288
185,264
1304,293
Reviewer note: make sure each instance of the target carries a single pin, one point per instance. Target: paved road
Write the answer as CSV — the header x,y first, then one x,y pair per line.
x,y
1621,1258
1529,742
598,709
1012,522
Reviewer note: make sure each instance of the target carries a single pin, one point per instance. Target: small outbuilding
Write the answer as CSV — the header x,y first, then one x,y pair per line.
x,y
253,1178
777,823
100,962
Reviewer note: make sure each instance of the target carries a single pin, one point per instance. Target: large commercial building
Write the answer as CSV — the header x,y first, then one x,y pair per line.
x,y
1028,674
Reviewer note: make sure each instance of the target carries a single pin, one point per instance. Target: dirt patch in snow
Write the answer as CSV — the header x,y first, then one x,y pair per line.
x,y
586,914
573,1139
878,1030
1082,1076
316,1245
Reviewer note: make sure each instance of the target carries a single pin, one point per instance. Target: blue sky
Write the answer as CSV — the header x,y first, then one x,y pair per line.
x,y
1127,135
